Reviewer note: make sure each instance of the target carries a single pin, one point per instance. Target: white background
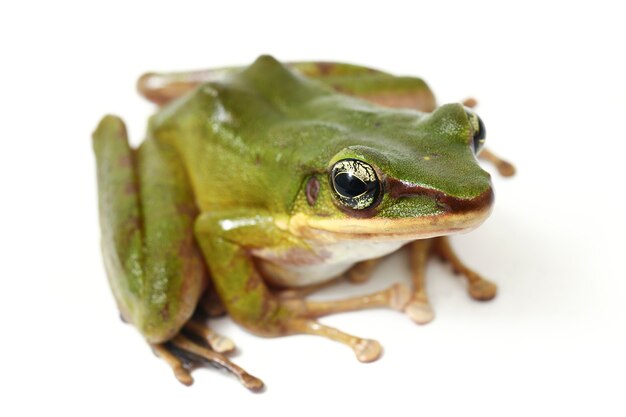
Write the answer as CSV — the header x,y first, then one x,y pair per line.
x,y
550,78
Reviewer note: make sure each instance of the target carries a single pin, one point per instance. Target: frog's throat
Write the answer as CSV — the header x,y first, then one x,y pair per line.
x,y
466,216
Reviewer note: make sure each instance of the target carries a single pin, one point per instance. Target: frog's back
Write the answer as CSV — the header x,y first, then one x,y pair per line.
x,y
222,131
251,137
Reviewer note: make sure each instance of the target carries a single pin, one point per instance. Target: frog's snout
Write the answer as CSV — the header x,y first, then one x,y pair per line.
x,y
481,202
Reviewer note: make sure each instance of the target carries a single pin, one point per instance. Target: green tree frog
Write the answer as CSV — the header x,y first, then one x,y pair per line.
x,y
256,186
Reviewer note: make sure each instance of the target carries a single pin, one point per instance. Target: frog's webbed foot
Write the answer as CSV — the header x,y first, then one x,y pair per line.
x,y
197,345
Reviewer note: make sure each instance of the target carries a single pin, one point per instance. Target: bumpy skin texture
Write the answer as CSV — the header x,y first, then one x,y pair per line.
x,y
240,151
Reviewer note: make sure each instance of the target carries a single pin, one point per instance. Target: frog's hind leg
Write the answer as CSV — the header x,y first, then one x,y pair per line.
x,y
154,267
370,84
478,287
161,88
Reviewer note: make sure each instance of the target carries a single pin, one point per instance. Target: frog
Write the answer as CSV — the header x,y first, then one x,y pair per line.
x,y
257,185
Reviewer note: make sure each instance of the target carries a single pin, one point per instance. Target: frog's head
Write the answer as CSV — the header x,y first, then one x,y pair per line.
x,y
403,176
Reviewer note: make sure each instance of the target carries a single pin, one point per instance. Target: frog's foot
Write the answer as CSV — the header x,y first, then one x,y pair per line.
x,y
183,355
301,314
366,350
470,102
478,287
418,308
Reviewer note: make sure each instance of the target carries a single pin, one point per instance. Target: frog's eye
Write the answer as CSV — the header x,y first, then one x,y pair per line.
x,y
478,127
355,183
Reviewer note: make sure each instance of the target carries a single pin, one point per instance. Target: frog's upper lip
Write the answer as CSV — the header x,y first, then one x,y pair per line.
x,y
458,215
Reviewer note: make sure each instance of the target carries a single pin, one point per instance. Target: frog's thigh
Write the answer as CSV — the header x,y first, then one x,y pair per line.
x,y
225,239
154,267
175,270
370,84
147,213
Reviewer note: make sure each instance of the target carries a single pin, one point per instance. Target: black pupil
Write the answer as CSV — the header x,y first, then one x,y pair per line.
x,y
348,185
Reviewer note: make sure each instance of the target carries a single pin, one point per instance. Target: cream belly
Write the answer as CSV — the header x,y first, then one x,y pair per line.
x,y
327,262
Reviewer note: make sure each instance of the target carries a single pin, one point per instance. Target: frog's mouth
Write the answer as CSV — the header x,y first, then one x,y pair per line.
x,y
456,215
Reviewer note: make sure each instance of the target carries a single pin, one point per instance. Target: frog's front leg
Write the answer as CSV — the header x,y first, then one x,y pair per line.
x,y
420,251
478,287
228,240
419,309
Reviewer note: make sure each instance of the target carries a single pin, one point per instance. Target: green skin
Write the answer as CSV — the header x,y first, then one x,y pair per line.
x,y
223,174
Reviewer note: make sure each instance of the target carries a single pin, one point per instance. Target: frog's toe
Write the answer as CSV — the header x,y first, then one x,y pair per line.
x,y
399,296
183,355
505,168
217,342
478,287
178,367
367,350
482,290
196,355
419,311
